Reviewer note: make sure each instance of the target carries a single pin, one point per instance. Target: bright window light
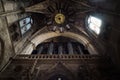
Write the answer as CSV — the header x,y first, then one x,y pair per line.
x,y
94,24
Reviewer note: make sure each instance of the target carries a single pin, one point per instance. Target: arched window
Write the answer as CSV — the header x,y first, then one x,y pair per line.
x,y
94,24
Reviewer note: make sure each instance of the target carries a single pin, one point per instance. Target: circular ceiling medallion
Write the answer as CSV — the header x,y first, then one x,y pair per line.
x,y
61,15
59,18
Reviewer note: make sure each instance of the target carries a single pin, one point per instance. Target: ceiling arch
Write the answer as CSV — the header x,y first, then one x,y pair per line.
x,y
42,37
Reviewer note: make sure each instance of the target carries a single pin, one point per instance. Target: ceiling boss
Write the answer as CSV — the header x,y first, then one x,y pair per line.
x,y
59,18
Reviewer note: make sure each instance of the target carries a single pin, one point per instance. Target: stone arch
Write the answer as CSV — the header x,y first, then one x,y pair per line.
x,y
42,37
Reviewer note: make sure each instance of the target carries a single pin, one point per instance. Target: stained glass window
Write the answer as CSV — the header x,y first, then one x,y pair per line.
x,y
25,24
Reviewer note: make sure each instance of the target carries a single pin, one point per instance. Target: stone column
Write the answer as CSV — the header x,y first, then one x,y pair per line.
x,y
70,48
50,48
80,50
40,50
60,49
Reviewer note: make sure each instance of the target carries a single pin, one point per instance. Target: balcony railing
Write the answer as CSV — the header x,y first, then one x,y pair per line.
x,y
64,56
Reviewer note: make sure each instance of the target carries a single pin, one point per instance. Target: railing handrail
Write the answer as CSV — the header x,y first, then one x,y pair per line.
x,y
56,56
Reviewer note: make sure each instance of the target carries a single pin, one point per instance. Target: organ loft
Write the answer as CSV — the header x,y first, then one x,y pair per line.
x,y
59,40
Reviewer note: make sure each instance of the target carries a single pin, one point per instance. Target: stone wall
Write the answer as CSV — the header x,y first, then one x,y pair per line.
x,y
81,68
5,23
4,35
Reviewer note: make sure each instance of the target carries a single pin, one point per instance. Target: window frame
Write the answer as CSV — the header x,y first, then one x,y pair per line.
x,y
89,29
25,25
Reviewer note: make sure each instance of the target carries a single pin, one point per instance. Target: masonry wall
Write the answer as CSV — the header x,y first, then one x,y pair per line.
x,y
4,35
10,49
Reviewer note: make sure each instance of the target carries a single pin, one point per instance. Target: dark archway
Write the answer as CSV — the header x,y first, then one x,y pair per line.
x,y
2,48
63,42
40,38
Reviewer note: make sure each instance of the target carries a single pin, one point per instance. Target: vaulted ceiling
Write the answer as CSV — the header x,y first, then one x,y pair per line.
x,y
70,15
